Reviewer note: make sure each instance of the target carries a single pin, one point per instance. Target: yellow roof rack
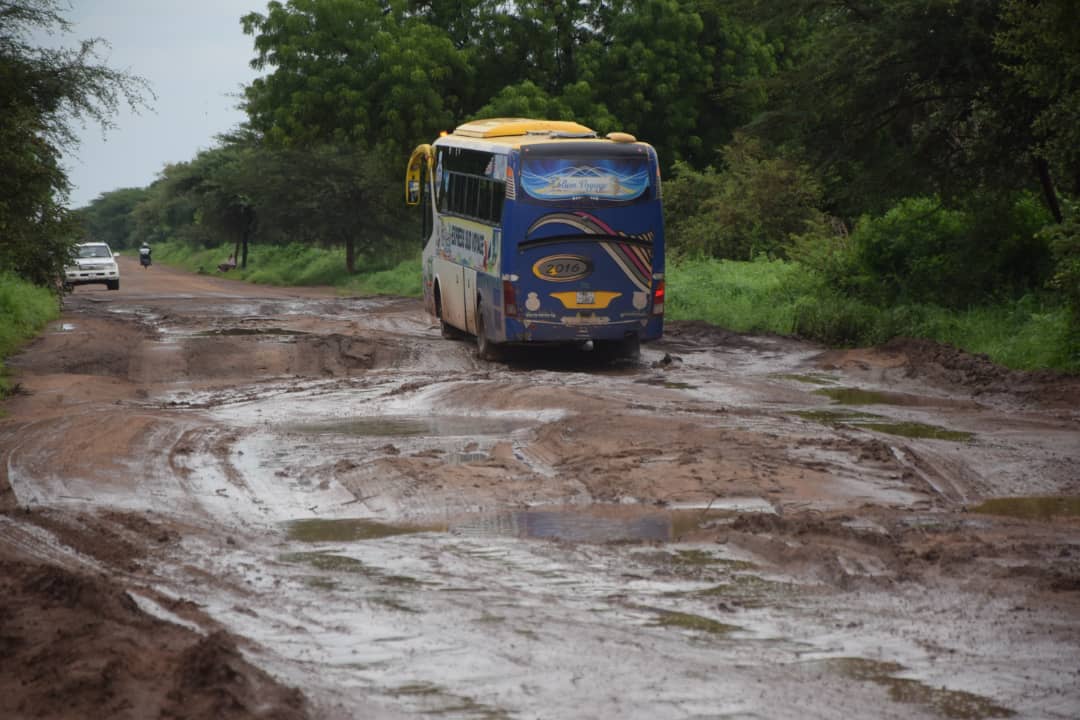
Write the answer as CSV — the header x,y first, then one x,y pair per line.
x,y
503,127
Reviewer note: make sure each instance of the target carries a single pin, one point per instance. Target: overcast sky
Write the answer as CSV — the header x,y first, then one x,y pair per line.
x,y
195,57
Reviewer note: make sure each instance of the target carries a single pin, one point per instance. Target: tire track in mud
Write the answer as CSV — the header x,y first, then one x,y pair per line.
x,y
473,596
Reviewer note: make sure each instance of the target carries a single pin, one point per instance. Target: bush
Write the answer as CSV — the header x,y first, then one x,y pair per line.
x,y
789,298
923,252
690,228
834,319
1007,250
916,252
754,207
1064,242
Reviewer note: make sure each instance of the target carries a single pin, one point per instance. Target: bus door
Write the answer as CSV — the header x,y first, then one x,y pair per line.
x,y
468,276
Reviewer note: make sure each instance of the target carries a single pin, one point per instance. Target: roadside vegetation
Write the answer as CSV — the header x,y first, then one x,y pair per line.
x,y
832,169
25,308
786,298
286,265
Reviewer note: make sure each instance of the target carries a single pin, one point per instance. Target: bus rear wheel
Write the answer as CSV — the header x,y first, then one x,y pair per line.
x,y
629,348
485,348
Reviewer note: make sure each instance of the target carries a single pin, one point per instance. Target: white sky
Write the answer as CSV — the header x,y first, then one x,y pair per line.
x,y
195,56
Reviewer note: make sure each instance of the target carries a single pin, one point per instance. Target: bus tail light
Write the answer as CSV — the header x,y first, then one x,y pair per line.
x,y
658,298
509,299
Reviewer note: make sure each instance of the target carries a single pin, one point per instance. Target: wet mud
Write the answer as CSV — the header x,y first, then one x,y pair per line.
x,y
219,500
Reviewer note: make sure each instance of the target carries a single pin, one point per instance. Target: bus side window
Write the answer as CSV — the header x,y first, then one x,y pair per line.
x,y
471,199
453,202
483,209
498,194
473,196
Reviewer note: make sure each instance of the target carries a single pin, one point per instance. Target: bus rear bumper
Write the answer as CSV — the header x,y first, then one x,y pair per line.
x,y
575,330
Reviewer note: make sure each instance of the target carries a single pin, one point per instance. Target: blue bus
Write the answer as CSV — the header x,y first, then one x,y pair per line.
x,y
539,231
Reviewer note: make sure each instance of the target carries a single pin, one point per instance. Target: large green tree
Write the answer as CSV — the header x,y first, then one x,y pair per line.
x,y
675,72
110,217
242,192
680,74
43,93
351,71
1040,45
895,98
346,201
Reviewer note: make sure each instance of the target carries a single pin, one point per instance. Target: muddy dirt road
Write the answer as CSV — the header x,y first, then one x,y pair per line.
x,y
219,500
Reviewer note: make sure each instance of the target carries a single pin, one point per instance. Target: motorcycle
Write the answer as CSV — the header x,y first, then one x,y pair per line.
x,y
144,259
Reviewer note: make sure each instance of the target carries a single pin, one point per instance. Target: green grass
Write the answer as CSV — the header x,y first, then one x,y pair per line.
x,y
785,298
1022,335
24,311
760,296
293,265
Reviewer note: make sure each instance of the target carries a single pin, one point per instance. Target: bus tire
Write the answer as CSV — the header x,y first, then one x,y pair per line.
x,y
447,330
485,348
629,348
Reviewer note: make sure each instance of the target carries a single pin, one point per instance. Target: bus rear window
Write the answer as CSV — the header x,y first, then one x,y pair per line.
x,y
586,180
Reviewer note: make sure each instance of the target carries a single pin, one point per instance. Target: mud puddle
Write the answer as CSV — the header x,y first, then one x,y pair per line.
x,y
425,620
864,396
955,704
399,529
249,332
1030,508
595,524
880,423
405,426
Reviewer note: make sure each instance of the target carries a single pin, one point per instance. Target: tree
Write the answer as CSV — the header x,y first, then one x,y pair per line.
x,y
110,217
755,206
1040,45
898,98
577,103
352,72
329,195
42,92
242,192
680,74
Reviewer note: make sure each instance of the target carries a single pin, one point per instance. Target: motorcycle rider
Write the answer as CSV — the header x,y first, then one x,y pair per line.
x,y
144,254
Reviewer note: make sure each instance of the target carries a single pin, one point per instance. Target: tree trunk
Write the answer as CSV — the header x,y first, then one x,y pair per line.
x,y
243,261
350,255
1049,194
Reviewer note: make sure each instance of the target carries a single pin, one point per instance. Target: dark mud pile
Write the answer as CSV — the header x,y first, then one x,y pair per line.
x,y
76,645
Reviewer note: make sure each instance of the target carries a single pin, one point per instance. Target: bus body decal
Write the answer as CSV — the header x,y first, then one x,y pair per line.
x,y
562,268
636,262
584,222
606,179
467,243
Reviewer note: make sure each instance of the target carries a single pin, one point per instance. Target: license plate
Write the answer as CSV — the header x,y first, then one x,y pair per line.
x,y
586,297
